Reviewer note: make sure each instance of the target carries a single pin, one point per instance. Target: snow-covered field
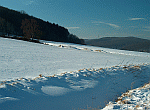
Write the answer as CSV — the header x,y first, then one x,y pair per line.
x,y
63,76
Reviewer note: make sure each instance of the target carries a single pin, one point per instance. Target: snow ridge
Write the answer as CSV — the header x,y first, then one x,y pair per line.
x,y
136,99
100,82
93,49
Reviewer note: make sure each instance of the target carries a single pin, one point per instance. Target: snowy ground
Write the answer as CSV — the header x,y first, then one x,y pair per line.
x,y
61,76
136,99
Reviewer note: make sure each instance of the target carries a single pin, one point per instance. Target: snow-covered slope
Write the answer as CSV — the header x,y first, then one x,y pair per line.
x,y
136,99
25,59
66,76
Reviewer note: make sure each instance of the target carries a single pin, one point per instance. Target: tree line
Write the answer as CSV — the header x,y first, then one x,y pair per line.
x,y
21,24
6,27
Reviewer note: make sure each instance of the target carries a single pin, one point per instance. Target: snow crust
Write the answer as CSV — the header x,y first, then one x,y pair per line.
x,y
63,76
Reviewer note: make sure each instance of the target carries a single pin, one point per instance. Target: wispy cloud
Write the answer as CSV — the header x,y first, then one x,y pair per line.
x,y
147,28
133,19
72,27
109,24
113,25
28,2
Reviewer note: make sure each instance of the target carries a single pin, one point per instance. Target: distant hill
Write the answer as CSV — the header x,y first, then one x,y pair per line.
x,y
123,43
11,22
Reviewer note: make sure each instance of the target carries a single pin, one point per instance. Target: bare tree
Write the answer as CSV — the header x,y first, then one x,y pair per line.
x,y
31,29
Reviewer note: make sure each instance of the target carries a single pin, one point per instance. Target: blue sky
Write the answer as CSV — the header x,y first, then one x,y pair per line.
x,y
91,18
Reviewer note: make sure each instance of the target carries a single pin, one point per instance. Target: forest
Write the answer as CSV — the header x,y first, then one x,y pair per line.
x,y
19,23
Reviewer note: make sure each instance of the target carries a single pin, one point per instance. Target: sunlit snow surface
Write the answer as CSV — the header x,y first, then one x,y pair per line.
x,y
61,76
24,59
136,99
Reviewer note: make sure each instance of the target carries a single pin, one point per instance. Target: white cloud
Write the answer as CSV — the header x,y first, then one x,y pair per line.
x,y
133,19
113,25
72,27
110,24
147,28
29,2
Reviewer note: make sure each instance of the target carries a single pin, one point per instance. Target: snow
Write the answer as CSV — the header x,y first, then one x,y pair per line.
x,y
54,90
65,76
136,99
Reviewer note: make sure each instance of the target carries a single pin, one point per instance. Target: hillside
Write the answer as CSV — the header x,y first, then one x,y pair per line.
x,y
21,24
123,43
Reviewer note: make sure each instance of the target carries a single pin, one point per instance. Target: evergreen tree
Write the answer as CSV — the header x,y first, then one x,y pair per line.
x,y
2,25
